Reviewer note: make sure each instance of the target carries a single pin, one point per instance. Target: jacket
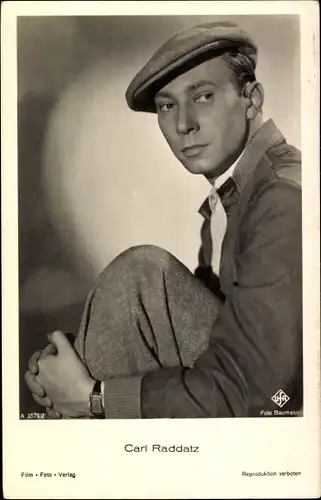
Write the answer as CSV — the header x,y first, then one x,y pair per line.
x,y
255,349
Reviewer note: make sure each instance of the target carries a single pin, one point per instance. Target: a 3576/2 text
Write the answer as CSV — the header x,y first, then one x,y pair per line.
x,y
32,416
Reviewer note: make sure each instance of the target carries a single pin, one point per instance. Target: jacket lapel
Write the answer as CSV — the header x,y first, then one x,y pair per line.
x,y
230,246
251,168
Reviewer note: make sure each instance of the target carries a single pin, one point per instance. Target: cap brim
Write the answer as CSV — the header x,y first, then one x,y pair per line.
x,y
142,99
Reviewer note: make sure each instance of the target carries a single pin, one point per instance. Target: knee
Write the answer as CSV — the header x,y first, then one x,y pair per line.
x,y
136,260
134,263
143,254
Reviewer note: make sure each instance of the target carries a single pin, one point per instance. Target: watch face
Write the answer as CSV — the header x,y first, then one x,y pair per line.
x,y
96,406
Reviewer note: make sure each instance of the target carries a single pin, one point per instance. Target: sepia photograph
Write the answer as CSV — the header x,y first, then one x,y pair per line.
x,y
160,249
141,322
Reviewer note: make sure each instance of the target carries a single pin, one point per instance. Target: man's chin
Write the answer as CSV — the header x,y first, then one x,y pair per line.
x,y
201,168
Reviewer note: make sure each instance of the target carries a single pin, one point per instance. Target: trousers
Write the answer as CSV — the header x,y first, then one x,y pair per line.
x,y
145,311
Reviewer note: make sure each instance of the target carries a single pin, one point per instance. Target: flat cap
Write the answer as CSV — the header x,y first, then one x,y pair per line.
x,y
183,51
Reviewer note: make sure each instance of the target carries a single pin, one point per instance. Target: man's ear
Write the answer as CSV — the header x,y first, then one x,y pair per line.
x,y
254,94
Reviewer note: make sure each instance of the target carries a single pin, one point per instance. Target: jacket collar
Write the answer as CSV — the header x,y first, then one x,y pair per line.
x,y
267,136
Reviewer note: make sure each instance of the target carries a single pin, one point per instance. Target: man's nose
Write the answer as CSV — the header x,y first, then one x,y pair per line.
x,y
186,120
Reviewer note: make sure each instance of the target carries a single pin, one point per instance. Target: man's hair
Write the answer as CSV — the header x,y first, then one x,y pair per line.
x,y
242,68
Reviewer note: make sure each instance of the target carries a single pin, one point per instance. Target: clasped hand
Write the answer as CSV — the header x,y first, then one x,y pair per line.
x,y
59,380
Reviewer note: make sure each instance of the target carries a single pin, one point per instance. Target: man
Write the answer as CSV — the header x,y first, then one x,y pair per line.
x,y
164,342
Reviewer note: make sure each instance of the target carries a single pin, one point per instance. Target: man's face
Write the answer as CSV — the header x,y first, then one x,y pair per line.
x,y
203,118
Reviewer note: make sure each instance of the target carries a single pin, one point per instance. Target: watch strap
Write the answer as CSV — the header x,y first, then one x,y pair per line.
x,y
96,401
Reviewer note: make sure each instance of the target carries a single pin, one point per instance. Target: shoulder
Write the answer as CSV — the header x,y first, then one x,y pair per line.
x,y
275,189
277,178
285,163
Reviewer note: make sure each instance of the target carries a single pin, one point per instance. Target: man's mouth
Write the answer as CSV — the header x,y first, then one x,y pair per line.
x,y
193,150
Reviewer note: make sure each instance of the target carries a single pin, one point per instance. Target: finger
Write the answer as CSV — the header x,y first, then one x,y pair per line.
x,y
46,401
49,349
33,385
33,362
59,340
53,414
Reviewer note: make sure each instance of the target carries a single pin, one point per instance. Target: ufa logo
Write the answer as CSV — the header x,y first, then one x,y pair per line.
x,y
280,398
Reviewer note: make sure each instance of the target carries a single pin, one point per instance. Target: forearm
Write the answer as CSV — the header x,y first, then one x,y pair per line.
x,y
175,392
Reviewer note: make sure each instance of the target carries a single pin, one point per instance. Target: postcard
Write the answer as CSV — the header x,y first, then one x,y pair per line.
x,y
160,242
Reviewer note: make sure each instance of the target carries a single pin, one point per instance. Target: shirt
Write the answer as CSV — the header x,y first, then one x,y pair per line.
x,y
218,218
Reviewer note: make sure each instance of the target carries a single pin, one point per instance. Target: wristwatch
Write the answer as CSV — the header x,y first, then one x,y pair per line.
x,y
96,401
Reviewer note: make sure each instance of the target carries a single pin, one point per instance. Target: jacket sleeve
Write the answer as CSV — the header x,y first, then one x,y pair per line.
x,y
255,346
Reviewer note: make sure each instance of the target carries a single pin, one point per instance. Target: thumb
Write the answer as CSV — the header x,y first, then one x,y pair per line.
x,y
59,340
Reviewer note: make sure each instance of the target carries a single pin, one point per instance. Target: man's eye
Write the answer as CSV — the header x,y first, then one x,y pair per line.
x,y
167,106
205,97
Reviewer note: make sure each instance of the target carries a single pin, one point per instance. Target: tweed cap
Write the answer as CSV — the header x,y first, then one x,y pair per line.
x,y
184,51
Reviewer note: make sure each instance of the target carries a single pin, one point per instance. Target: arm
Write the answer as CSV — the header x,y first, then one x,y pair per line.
x,y
255,345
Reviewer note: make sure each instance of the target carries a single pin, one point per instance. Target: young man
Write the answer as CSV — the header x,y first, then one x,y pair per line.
x,y
167,343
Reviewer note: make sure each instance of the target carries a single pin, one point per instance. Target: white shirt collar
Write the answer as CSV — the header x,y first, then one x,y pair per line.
x,y
228,173
213,196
